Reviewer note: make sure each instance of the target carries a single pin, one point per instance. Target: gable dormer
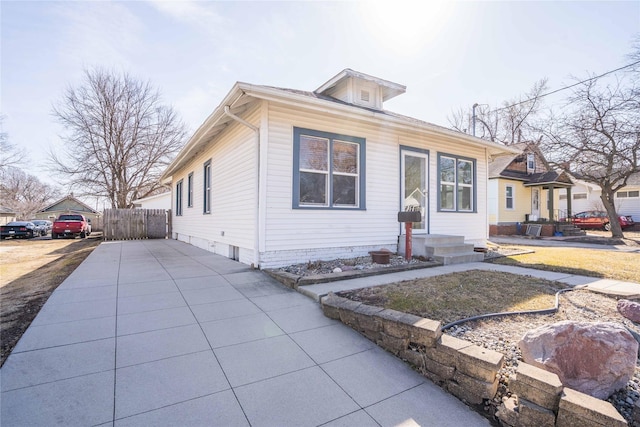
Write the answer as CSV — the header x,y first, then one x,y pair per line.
x,y
360,89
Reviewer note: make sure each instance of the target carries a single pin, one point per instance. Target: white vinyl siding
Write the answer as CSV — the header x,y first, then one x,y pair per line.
x,y
293,232
233,194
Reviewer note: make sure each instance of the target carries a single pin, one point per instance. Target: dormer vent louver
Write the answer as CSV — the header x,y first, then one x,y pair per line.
x,y
364,95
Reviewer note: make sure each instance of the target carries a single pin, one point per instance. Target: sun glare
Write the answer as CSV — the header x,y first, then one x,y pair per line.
x,y
405,27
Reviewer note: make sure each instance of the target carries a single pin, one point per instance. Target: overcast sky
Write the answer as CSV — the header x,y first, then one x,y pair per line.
x,y
449,55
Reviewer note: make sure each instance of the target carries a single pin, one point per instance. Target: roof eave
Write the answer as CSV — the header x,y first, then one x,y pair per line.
x,y
556,183
194,142
272,94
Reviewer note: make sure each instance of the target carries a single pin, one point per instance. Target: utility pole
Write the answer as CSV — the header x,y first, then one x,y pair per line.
x,y
473,118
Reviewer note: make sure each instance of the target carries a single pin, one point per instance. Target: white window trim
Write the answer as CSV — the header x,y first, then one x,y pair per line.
x,y
513,197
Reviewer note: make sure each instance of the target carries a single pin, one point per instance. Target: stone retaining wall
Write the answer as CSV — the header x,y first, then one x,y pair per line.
x,y
469,372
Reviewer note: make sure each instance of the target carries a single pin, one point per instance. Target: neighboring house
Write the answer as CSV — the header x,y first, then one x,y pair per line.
x,y
523,187
6,216
70,204
279,176
585,196
159,201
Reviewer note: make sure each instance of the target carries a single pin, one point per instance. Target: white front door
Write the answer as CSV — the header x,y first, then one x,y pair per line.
x,y
414,186
535,204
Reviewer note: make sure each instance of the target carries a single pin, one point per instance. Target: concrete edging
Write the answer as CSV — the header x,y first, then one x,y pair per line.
x,y
293,281
469,371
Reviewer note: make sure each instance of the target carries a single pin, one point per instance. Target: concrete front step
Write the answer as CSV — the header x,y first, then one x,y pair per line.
x,y
448,249
459,258
445,249
570,230
439,239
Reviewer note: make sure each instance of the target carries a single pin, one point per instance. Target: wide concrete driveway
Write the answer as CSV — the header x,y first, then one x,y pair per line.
x,y
159,332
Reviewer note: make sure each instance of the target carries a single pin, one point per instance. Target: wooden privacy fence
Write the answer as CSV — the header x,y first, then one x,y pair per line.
x,y
136,224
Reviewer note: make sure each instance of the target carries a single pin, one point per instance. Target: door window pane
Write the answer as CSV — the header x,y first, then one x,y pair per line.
x,y
415,187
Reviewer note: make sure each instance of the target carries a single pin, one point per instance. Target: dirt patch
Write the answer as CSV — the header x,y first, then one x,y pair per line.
x,y
30,271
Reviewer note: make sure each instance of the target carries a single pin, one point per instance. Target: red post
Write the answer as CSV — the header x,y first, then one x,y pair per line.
x,y
408,227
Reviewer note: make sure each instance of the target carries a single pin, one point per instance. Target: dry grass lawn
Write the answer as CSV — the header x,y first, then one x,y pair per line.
x,y
624,266
456,296
30,271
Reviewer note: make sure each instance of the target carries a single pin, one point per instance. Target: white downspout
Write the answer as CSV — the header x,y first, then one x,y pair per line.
x,y
487,159
256,242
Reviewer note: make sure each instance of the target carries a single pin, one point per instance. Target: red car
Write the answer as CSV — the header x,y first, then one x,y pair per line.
x,y
599,220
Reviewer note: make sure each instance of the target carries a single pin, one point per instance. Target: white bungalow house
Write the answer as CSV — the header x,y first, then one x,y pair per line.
x,y
280,176
586,197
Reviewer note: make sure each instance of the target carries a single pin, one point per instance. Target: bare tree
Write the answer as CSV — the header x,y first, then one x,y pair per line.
x,y
597,137
509,124
119,137
25,194
9,154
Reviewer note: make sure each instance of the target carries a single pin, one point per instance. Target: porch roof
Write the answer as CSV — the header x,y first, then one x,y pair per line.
x,y
547,179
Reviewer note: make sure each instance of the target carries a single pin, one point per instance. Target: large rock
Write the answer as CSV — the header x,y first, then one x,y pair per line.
x,y
594,358
629,309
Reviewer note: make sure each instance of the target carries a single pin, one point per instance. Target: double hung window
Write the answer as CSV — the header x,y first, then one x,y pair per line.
x,y
509,197
456,183
190,190
328,170
179,198
207,188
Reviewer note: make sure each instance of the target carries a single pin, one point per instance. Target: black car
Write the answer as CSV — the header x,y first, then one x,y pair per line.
x,y
16,229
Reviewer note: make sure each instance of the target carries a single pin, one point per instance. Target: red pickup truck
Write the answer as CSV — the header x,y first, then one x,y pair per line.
x,y
71,225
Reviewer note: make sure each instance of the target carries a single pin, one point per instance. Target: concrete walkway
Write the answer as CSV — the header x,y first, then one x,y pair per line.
x,y
159,332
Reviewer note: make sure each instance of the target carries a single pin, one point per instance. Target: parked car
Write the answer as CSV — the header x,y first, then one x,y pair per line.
x,y
43,225
17,229
70,225
599,220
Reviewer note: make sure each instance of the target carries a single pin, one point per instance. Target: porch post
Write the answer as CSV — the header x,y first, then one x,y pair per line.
x,y
569,210
551,188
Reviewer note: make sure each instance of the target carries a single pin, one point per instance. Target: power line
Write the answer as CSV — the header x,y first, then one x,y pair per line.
x,y
566,87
